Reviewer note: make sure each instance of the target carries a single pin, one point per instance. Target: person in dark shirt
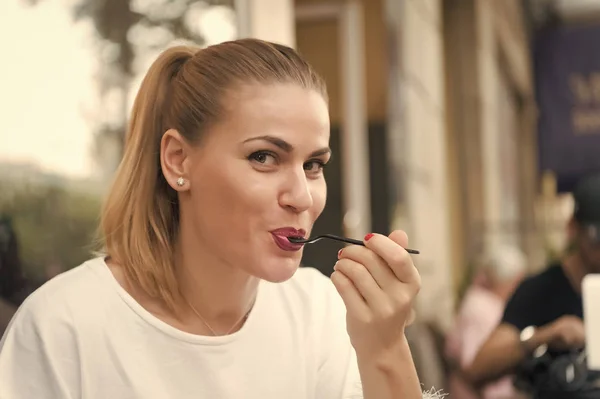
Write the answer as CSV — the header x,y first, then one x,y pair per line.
x,y
13,284
11,278
547,308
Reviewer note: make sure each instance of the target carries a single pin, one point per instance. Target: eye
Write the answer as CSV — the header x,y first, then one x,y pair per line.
x,y
262,157
314,166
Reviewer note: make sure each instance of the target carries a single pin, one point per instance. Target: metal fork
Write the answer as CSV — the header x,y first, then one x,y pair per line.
x,y
312,240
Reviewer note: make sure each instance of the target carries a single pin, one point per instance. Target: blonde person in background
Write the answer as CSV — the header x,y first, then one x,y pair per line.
x,y
199,294
501,270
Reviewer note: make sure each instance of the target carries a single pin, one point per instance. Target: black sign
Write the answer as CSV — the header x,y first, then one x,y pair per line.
x,y
567,67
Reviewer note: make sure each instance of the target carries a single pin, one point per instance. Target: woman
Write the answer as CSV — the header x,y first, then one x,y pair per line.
x,y
199,294
499,273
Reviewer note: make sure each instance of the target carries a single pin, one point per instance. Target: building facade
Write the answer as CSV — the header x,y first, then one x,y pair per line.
x,y
433,118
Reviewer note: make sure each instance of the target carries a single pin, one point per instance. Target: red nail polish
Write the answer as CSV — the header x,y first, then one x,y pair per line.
x,y
340,252
369,236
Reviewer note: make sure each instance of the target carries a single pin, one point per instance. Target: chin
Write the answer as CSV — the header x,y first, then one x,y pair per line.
x,y
278,270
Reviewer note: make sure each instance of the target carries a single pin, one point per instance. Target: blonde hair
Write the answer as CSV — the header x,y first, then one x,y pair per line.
x,y
504,262
184,89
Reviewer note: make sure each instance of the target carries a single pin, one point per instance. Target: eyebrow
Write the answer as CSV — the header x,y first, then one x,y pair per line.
x,y
285,146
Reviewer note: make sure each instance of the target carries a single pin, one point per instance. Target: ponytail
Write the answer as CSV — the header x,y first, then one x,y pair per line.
x,y
140,216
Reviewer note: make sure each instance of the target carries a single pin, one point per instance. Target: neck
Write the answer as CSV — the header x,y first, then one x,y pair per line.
x,y
575,270
221,293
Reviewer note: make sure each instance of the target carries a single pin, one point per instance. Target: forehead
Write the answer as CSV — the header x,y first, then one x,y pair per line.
x,y
279,109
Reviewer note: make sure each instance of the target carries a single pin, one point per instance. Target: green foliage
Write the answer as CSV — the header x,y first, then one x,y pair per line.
x,y
54,225
114,21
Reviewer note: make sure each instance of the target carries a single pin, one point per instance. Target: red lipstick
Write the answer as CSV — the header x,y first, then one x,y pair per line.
x,y
280,236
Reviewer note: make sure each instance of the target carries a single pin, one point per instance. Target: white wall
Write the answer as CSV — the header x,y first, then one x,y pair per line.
x,y
426,164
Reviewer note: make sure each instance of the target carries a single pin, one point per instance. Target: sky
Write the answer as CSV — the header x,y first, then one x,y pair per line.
x,y
46,82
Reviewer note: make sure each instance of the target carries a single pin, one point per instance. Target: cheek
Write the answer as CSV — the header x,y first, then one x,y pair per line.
x,y
319,195
215,193
233,194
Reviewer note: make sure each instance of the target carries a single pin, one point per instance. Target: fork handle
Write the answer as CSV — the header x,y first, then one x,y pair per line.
x,y
347,240
358,242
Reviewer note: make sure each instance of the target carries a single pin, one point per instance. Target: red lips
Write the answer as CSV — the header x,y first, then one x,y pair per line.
x,y
280,237
289,232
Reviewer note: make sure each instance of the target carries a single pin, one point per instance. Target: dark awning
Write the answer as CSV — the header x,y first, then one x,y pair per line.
x,y
567,69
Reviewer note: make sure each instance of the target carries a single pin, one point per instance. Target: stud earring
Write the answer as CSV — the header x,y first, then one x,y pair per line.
x,y
180,182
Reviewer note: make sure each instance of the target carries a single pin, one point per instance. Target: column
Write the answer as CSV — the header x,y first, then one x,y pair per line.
x,y
271,20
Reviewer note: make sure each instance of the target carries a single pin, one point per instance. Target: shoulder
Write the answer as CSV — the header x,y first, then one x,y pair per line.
x,y
73,287
63,298
539,283
552,273
529,303
44,335
478,298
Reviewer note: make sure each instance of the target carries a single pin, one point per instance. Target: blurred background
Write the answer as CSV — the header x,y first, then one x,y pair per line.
x,y
464,122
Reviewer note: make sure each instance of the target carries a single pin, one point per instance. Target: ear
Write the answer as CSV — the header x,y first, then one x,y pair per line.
x,y
174,160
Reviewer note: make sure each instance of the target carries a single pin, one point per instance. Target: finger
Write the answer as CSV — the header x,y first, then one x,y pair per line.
x,y
353,300
363,281
395,256
399,237
375,265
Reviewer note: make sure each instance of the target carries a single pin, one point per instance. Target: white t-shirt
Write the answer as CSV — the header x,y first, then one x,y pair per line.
x,y
81,335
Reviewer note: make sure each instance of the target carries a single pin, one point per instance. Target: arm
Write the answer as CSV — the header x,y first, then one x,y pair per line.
x,y
392,377
378,283
341,374
501,354
504,351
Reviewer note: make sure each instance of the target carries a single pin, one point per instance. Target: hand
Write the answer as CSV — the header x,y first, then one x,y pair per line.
x,y
378,284
567,332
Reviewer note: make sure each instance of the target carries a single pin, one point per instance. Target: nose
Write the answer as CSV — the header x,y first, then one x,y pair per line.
x,y
297,194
